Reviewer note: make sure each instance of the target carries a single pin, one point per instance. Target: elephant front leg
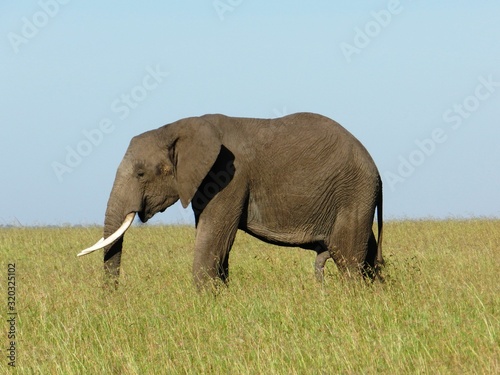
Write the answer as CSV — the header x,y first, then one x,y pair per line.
x,y
214,240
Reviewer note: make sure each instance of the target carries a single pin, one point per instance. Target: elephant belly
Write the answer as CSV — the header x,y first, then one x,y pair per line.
x,y
281,225
281,237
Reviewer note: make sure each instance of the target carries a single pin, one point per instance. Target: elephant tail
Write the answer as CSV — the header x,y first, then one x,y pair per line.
x,y
380,224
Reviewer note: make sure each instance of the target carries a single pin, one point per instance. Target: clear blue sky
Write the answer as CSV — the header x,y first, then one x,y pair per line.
x,y
417,82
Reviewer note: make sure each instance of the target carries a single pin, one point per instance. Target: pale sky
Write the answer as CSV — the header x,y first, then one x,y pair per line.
x,y
418,83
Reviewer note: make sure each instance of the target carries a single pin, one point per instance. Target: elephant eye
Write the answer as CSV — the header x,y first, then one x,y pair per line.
x,y
140,170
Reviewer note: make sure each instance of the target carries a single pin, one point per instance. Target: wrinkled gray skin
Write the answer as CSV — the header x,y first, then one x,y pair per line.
x,y
301,180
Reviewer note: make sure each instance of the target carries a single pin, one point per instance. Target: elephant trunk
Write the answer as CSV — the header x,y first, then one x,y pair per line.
x,y
113,252
124,202
118,218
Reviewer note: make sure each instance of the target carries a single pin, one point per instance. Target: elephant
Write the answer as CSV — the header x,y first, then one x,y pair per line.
x,y
319,264
301,180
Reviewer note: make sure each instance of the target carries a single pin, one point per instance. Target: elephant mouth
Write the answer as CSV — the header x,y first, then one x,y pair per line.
x,y
149,210
144,214
144,217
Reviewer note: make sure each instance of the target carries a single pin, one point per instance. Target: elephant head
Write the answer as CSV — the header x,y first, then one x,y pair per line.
x,y
159,167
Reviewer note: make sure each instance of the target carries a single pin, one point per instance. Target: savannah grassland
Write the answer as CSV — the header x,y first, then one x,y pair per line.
x,y
437,313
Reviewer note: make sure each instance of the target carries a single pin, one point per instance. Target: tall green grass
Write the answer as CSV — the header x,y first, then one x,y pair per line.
x,y
437,313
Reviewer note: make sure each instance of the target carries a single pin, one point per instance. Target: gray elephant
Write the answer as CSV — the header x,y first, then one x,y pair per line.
x,y
319,264
301,180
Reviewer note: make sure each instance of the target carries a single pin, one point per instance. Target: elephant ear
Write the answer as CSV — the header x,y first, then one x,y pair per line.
x,y
195,152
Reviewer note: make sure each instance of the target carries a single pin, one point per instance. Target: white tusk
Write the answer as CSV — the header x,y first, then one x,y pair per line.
x,y
108,241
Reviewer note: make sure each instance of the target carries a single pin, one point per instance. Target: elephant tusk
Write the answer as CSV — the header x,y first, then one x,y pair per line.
x,y
108,241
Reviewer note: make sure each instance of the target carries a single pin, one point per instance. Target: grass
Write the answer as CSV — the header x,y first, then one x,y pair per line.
x,y
437,313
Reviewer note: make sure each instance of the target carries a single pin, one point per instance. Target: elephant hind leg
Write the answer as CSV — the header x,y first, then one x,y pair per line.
x,y
374,262
348,244
370,265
